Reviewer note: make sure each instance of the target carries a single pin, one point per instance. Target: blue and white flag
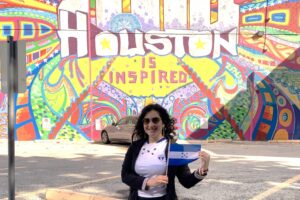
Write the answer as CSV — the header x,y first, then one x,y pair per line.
x,y
182,154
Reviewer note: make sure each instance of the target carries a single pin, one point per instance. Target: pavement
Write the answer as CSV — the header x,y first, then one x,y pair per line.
x,y
238,170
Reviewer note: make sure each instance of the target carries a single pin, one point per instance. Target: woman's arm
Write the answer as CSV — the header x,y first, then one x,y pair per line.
x,y
128,175
188,179
185,177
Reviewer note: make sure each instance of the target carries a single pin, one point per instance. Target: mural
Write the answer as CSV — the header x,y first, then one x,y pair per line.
x,y
223,69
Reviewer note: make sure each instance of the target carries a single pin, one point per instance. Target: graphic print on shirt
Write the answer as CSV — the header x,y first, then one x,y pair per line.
x,y
162,157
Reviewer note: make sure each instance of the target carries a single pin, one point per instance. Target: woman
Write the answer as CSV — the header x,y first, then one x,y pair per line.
x,y
145,164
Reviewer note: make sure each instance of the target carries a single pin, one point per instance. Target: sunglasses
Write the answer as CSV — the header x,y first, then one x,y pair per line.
x,y
154,120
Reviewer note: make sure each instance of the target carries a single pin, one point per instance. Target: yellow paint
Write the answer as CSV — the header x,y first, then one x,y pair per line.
x,y
93,13
200,44
83,66
281,134
277,188
287,15
205,68
126,6
230,82
153,84
97,66
292,97
289,120
299,19
33,4
188,14
248,15
59,99
148,101
256,57
261,85
288,54
105,44
11,24
213,17
161,15
54,76
268,97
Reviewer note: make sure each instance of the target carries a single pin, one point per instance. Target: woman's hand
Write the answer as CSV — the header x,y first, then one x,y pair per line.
x,y
157,180
204,162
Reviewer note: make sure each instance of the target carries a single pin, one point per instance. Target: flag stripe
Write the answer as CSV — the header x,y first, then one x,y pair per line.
x,y
189,147
183,155
178,162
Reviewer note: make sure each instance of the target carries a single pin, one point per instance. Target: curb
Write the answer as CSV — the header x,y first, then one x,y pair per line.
x,y
238,141
61,194
285,141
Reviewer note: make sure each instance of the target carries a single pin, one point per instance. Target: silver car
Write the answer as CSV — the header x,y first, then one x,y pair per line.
x,y
120,131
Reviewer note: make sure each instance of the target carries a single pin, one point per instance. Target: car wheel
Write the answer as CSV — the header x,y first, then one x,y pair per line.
x,y
104,137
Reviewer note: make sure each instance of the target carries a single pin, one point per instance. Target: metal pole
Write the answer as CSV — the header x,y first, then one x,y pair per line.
x,y
11,110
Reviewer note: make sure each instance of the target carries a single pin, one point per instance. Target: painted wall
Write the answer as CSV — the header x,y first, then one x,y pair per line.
x,y
223,68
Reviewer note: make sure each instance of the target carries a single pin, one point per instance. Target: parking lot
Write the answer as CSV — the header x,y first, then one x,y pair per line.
x,y
238,170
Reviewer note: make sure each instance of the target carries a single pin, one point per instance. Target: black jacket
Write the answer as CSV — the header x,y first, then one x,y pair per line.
x,y
135,182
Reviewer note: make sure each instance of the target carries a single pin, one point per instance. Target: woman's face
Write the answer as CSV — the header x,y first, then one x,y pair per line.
x,y
153,125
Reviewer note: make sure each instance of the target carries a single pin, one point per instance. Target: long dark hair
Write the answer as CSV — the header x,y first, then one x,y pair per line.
x,y
169,122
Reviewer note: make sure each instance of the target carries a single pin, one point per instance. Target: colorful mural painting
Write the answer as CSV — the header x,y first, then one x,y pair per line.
x,y
222,68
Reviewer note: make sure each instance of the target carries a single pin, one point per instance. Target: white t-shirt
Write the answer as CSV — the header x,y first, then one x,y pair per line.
x,y
152,162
